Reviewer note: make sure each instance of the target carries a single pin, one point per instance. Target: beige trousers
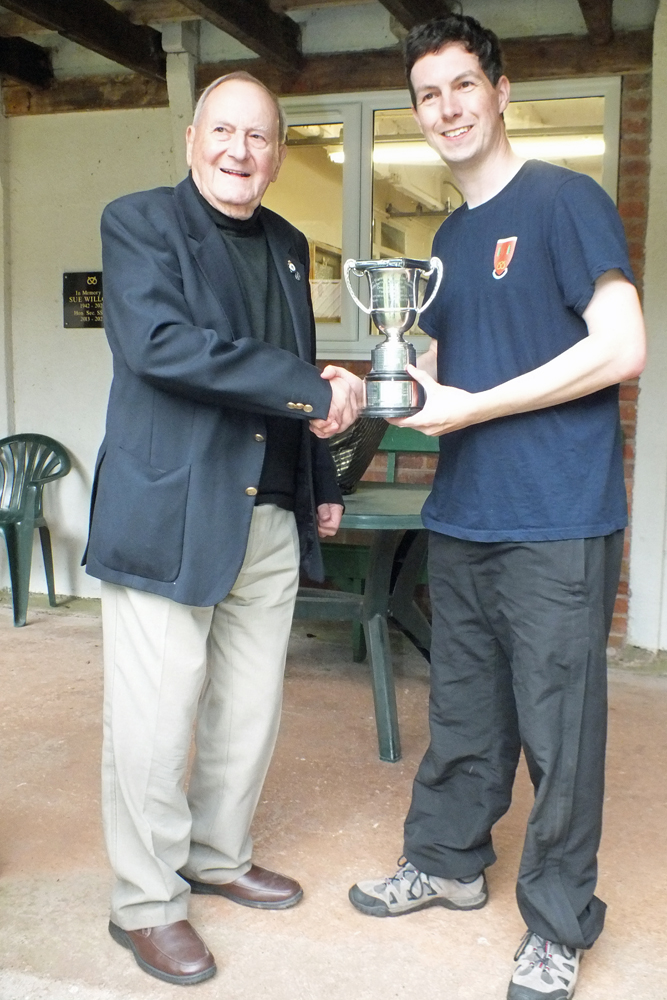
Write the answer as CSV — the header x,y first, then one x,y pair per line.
x,y
170,668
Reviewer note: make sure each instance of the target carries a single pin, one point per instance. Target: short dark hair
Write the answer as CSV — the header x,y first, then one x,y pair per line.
x,y
425,39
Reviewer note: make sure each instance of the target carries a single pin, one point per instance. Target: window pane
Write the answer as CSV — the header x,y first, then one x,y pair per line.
x,y
567,131
413,190
309,193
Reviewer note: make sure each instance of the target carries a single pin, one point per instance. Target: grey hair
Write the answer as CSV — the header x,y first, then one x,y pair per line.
x,y
240,74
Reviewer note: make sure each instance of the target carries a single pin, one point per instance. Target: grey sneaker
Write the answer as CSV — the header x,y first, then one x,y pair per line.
x,y
409,890
544,969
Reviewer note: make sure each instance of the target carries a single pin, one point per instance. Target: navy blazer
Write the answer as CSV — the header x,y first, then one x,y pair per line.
x,y
185,433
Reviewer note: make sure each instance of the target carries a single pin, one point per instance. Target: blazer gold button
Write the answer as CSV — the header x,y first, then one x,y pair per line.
x,y
259,437
292,406
299,406
307,408
251,491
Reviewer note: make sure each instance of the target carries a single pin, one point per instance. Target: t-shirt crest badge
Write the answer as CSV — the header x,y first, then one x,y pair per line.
x,y
503,255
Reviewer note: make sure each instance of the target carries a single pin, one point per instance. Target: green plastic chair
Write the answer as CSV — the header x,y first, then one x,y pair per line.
x,y
27,461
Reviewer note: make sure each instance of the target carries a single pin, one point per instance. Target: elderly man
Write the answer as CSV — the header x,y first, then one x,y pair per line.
x,y
209,483
535,323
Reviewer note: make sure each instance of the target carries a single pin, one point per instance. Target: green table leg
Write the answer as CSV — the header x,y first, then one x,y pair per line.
x,y
353,585
375,609
402,605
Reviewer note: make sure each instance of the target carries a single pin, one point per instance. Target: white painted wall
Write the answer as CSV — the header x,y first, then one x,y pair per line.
x,y
63,170
6,362
647,624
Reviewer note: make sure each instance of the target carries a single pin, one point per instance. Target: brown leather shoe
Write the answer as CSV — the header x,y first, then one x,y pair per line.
x,y
258,887
173,952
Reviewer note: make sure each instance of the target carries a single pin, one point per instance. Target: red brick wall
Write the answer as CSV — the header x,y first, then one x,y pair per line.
x,y
633,179
632,205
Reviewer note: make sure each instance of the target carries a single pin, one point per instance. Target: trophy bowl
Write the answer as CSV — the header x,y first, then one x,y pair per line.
x,y
394,306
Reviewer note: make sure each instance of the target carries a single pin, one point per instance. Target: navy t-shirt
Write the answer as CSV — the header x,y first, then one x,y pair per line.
x,y
519,272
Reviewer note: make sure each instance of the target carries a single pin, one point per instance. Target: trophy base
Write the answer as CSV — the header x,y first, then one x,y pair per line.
x,y
392,394
390,411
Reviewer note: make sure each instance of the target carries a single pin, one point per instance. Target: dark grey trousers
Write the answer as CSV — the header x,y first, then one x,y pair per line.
x,y
518,660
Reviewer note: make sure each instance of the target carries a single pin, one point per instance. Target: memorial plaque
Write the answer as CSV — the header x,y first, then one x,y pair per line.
x,y
82,299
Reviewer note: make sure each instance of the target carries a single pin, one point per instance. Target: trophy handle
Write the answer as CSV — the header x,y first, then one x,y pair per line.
x,y
350,266
436,265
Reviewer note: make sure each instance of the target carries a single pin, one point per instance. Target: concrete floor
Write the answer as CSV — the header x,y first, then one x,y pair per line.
x,y
331,813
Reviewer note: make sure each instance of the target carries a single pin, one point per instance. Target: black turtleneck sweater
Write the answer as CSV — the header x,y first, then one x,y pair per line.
x,y
270,321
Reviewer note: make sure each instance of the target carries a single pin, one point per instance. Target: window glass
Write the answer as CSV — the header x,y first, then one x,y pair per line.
x,y
413,191
309,193
389,193
569,132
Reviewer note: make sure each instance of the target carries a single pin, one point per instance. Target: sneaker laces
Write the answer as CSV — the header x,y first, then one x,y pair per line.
x,y
540,955
407,872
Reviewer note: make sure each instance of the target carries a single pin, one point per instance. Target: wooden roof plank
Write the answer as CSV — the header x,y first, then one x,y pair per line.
x,y
548,58
96,25
599,20
274,37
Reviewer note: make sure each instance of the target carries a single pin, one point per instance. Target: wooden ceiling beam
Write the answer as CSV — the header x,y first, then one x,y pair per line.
x,y
599,20
24,61
89,93
549,58
96,25
274,37
412,12
153,11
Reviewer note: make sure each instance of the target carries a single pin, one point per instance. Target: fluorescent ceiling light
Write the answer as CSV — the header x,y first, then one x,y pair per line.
x,y
404,153
396,153
539,148
557,147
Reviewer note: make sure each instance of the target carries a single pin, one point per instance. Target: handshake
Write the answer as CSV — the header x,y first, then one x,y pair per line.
x,y
347,398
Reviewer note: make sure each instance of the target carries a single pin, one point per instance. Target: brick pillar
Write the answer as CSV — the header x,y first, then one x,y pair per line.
x,y
633,179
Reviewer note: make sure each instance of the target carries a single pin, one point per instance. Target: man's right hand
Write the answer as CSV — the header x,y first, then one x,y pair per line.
x,y
347,397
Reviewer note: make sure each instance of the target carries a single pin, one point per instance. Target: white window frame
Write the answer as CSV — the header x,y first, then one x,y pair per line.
x,y
356,112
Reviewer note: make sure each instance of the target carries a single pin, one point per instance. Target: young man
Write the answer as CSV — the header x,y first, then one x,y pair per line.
x,y
209,489
535,323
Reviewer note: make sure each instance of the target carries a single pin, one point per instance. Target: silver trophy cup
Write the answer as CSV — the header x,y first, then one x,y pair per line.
x,y
394,287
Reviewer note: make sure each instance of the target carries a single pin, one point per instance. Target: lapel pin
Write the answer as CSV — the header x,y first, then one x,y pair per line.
x,y
293,269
